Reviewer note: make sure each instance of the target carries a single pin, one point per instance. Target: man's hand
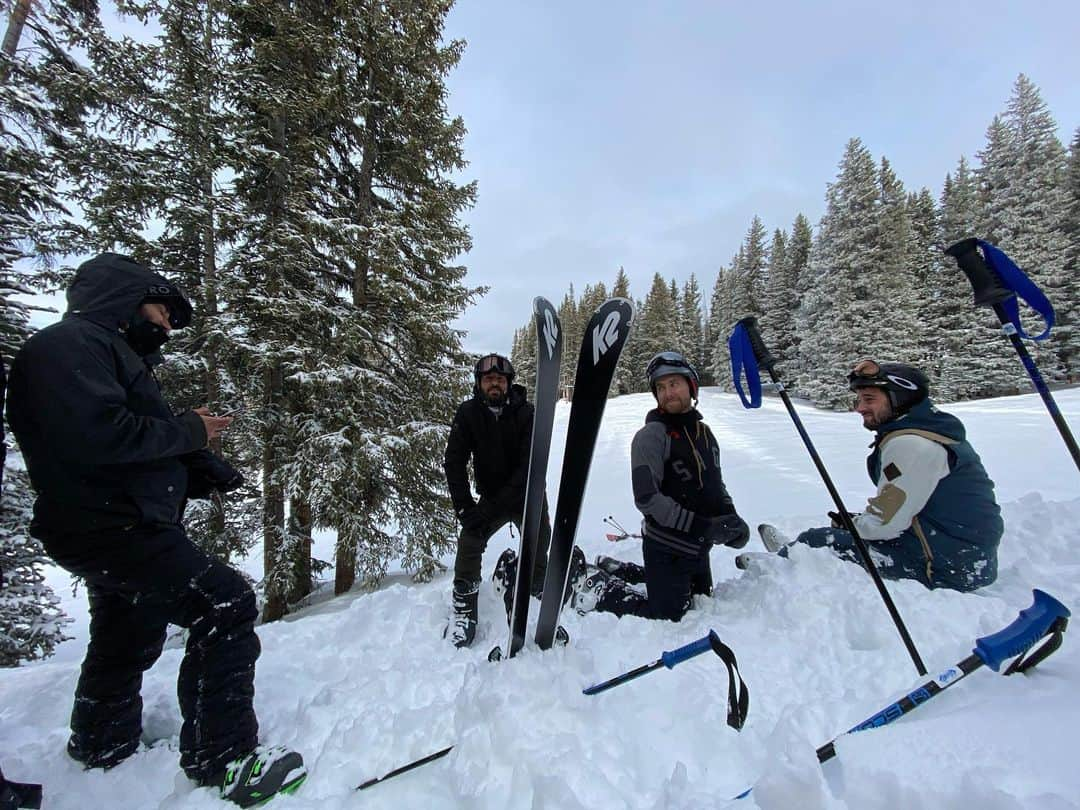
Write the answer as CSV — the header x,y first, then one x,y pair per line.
x,y
215,425
725,530
838,520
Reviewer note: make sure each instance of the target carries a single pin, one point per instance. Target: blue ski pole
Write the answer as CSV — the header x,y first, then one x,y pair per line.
x,y
667,659
1046,616
996,282
738,694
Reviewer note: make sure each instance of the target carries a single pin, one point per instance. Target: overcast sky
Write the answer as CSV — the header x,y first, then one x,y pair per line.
x,y
648,134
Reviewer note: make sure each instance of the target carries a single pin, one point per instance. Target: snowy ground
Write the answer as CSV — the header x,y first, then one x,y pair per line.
x,y
365,683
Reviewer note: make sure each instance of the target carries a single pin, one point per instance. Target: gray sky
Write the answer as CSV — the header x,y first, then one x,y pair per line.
x,y
648,134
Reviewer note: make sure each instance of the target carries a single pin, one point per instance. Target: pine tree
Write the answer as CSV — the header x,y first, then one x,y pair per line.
x,y
344,240
722,318
798,258
626,376
691,324
1023,173
778,328
31,621
1066,290
897,331
750,273
39,118
658,329
573,329
837,317
974,360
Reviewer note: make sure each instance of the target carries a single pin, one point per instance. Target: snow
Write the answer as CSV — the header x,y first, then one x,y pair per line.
x,y
364,683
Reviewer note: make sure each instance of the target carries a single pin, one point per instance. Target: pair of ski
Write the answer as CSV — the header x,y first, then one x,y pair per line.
x,y
602,343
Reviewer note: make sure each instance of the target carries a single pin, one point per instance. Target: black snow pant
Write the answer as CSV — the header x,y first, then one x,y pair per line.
x,y
671,581
139,581
471,547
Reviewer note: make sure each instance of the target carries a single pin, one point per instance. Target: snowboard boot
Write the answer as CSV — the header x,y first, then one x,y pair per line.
x,y
588,589
461,630
576,573
772,538
609,565
629,572
257,777
504,579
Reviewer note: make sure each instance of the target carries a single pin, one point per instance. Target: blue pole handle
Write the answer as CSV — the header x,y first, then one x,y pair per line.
x,y
1030,626
703,644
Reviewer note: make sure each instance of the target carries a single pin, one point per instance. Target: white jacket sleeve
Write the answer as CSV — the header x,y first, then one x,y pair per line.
x,y
911,467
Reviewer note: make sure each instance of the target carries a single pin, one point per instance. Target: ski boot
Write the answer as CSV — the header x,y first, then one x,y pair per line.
x,y
504,579
772,538
257,777
461,629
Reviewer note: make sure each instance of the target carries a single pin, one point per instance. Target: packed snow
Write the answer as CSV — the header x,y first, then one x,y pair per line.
x,y
365,683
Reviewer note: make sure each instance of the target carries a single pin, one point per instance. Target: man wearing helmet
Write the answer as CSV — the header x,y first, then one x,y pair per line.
x,y
494,429
678,486
934,517
112,468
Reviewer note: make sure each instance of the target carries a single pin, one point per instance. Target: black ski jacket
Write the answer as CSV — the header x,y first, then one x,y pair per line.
x,y
101,445
499,447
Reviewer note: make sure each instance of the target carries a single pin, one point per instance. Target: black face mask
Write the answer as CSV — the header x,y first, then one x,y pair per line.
x,y
145,337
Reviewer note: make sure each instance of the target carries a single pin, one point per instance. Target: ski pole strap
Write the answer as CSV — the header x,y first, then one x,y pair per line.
x,y
15,795
742,357
738,704
1016,280
1024,662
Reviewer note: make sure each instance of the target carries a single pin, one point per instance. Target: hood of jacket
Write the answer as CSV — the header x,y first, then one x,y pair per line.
x,y
109,289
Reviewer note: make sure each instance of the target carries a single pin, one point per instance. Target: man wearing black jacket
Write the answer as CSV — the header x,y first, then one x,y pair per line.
x,y
678,486
494,428
112,468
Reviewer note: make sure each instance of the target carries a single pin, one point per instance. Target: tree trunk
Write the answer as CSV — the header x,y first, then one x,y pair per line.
x,y
300,535
273,496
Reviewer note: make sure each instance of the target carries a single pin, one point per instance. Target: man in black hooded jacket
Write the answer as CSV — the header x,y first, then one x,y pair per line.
x,y
494,428
112,468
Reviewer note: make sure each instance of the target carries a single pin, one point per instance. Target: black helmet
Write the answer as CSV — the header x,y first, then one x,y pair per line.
x,y
666,363
496,363
905,385
167,293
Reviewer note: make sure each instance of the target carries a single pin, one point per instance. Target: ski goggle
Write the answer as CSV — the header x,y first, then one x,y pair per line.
x,y
672,360
865,374
496,363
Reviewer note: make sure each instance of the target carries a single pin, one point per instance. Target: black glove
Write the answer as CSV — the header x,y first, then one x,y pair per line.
x,y
473,521
725,530
208,472
838,521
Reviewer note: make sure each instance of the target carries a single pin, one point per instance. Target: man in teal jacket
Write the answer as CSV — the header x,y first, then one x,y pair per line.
x,y
934,517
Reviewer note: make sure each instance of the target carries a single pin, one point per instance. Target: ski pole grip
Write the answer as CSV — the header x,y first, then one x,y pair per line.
x,y
761,351
1016,639
703,644
985,283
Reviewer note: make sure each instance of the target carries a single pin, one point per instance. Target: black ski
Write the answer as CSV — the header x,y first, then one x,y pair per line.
x,y
548,362
601,344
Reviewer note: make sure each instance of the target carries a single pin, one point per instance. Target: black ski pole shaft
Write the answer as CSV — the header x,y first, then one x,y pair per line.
x,y
989,291
766,361
1046,616
667,659
404,768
